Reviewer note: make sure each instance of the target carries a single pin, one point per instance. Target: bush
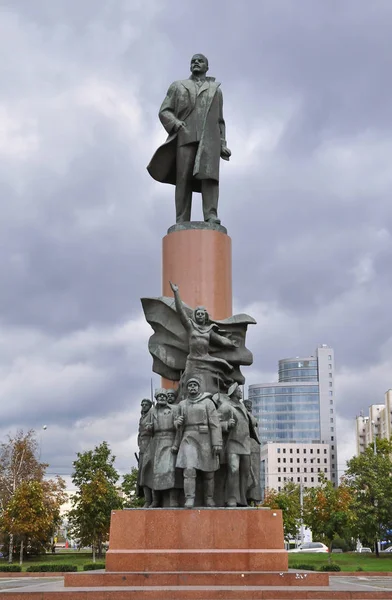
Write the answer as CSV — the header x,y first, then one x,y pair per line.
x,y
10,568
52,567
359,569
330,567
303,567
93,566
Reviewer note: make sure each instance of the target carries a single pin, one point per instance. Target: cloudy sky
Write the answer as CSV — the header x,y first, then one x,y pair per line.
x,y
306,199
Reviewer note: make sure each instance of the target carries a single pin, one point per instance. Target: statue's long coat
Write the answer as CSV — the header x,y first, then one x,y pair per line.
x,y
180,101
199,433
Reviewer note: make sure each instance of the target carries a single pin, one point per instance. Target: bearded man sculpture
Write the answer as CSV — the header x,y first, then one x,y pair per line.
x,y
192,114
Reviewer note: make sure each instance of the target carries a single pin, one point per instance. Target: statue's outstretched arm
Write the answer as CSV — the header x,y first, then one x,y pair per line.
x,y
180,307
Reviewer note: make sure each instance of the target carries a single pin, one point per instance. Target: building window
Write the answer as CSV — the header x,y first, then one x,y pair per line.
x,y
297,450
284,450
278,460
299,479
330,384
311,451
325,461
325,451
330,366
305,479
279,488
312,479
318,450
279,479
333,456
291,450
332,440
304,460
311,469
284,469
304,450
297,460
331,411
291,470
284,460
278,469
291,460
330,392
325,470
330,375
331,430
304,469
318,461
329,356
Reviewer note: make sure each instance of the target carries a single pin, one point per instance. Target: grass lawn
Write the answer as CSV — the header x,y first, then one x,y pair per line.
x,y
62,557
349,561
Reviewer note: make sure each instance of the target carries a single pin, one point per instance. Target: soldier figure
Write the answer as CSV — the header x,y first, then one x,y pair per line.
x,y
144,476
172,396
237,430
162,427
253,494
199,442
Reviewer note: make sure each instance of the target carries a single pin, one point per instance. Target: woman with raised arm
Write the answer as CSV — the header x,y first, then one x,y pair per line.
x,y
202,334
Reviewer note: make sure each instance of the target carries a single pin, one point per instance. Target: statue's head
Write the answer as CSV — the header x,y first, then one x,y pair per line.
x,y
200,315
171,396
146,404
235,392
193,387
199,64
161,396
248,405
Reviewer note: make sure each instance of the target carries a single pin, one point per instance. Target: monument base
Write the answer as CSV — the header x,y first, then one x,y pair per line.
x,y
187,552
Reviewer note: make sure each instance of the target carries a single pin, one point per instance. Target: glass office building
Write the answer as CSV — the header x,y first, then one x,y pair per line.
x,y
287,413
299,408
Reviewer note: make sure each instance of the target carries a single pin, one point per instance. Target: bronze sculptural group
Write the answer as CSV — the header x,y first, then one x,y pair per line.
x,y
205,429
198,443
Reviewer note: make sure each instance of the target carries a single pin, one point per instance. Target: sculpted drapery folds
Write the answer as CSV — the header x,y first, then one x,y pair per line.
x,y
186,342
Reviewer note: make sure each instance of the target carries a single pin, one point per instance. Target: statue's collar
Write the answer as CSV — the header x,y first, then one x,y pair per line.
x,y
206,79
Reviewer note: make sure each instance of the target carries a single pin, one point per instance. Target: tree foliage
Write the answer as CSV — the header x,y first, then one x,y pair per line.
x,y
129,489
369,479
288,500
95,478
328,512
29,505
33,512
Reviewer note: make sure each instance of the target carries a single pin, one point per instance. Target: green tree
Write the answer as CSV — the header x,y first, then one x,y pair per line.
x,y
18,464
288,500
327,511
97,495
33,513
129,489
369,477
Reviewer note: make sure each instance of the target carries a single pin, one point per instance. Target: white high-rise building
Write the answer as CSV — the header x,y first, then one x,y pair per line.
x,y
377,425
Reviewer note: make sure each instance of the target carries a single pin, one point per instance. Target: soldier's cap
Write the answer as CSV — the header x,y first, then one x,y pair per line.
x,y
160,391
232,389
193,380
